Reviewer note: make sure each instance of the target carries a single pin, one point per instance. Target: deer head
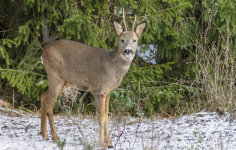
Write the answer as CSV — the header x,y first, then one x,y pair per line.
x,y
128,40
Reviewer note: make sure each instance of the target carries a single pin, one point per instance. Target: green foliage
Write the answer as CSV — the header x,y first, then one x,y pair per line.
x,y
90,22
4,55
89,106
120,98
26,31
61,144
86,145
150,88
27,75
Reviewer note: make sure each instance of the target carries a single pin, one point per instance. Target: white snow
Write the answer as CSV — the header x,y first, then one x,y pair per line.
x,y
40,82
149,54
203,130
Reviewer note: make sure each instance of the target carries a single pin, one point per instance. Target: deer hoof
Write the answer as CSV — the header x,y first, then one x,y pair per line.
x,y
45,136
110,146
55,139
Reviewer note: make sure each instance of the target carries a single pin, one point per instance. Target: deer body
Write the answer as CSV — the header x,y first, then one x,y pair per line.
x,y
88,68
91,69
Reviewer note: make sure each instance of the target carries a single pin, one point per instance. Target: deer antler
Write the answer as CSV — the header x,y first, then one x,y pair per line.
x,y
134,23
123,19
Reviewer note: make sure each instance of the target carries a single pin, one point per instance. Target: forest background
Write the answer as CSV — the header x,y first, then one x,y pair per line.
x,y
191,45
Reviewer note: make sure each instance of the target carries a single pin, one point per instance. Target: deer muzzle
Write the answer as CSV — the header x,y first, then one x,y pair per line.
x,y
128,52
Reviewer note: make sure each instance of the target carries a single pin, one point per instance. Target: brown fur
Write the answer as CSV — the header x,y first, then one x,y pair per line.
x,y
91,69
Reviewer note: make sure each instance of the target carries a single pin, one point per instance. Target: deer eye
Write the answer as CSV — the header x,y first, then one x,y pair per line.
x,y
122,40
134,40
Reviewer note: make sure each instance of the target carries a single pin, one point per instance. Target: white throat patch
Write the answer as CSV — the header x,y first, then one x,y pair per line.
x,y
127,58
126,67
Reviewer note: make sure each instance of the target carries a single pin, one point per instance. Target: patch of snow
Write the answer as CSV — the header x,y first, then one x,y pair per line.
x,y
209,100
203,130
40,82
149,54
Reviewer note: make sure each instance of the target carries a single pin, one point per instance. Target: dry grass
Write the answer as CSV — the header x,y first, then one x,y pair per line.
x,y
215,72
216,75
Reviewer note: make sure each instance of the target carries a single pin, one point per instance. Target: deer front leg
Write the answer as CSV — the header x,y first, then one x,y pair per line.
x,y
100,109
107,139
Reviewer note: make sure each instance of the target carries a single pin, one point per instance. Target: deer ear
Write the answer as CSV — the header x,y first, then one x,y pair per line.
x,y
118,28
141,28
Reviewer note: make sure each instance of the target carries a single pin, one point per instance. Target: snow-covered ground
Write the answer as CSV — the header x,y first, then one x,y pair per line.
x,y
203,130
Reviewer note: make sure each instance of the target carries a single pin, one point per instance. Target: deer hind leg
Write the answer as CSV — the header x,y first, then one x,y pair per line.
x,y
44,116
100,109
55,87
107,139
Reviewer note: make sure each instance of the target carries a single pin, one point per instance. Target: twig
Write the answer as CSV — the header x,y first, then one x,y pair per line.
x,y
136,132
21,71
120,134
5,30
13,100
165,113
76,126
130,17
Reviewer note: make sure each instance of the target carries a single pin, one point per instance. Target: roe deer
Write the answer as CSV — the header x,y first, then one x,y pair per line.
x,y
91,69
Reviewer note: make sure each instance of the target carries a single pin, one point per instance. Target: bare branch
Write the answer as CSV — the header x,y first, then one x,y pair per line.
x,y
6,30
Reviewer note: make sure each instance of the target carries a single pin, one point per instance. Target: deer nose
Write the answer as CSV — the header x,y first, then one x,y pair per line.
x,y
128,52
